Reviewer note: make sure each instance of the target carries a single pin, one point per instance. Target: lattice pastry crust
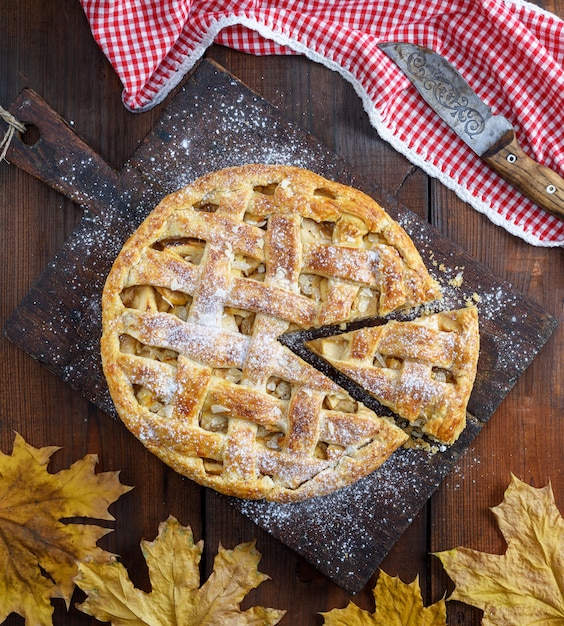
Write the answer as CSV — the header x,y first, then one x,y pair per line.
x,y
194,304
423,370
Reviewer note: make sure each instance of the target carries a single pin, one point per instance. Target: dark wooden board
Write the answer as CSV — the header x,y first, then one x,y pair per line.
x,y
214,121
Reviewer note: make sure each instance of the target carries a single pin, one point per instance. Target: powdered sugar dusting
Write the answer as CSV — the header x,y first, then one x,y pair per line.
x,y
232,129
346,528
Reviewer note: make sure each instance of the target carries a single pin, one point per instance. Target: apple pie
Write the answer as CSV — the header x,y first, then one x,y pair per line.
x,y
194,305
423,370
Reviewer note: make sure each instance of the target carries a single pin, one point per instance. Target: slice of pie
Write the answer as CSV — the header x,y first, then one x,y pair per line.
x,y
192,310
423,370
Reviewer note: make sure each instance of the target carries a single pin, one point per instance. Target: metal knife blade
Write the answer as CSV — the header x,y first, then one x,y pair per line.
x,y
491,137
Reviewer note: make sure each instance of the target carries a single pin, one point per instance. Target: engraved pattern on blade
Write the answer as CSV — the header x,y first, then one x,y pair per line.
x,y
446,94
449,95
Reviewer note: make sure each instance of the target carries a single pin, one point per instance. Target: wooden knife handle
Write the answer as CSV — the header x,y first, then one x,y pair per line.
x,y
537,182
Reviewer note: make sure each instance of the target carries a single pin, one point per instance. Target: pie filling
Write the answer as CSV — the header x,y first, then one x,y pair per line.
x,y
199,295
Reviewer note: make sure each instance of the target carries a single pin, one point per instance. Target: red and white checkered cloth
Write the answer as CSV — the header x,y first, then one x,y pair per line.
x,y
511,52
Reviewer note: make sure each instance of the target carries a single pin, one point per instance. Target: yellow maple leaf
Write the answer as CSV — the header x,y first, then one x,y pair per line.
x,y
397,604
38,551
175,597
524,586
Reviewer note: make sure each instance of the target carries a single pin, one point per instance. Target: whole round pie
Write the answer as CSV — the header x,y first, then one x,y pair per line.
x,y
193,308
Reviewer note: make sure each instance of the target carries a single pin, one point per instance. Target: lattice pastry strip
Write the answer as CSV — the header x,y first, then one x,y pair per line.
x,y
423,370
193,307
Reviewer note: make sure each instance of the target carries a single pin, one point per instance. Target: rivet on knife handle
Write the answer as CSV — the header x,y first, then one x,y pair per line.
x,y
490,136
539,183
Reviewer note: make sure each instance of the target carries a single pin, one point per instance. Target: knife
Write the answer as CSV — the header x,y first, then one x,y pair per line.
x,y
491,137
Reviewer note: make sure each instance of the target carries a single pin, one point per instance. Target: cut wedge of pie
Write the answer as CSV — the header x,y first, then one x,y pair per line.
x,y
423,370
193,308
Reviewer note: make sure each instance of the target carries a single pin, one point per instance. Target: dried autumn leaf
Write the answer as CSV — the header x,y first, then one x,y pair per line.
x,y
525,585
397,604
38,552
175,597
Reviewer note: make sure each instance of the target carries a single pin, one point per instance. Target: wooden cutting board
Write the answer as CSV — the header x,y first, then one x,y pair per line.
x,y
214,121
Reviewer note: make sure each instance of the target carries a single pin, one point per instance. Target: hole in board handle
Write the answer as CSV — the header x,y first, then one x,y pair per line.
x,y
31,135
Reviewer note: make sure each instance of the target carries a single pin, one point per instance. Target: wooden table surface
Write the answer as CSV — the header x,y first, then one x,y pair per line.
x,y
49,48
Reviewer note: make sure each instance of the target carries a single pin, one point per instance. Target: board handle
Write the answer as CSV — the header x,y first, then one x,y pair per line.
x,y
52,152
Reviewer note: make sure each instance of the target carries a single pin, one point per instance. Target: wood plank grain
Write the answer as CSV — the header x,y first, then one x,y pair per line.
x,y
48,46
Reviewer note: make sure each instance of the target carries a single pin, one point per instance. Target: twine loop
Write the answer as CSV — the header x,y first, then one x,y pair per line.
x,y
14,126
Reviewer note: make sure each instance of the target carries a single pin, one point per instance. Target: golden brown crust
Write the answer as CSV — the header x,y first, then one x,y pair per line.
x,y
424,369
194,304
